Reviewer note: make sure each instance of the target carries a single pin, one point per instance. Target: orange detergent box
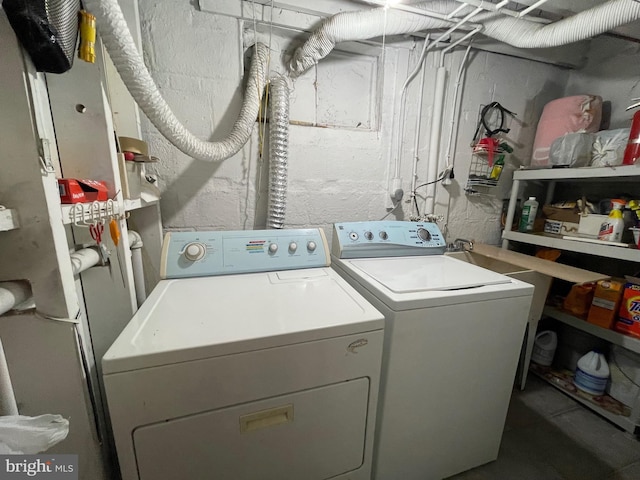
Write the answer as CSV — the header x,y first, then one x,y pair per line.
x,y
606,302
629,319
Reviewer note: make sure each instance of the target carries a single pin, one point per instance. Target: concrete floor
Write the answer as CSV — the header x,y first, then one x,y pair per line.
x,y
549,436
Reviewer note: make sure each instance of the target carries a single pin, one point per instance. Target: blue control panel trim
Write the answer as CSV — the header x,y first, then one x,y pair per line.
x,y
198,254
386,239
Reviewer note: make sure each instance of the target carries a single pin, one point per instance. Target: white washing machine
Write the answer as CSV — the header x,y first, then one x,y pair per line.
x,y
254,361
452,341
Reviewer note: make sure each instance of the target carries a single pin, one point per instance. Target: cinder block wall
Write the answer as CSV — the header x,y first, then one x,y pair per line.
x,y
339,169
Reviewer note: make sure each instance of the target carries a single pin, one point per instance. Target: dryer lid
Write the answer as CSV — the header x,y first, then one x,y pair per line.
x,y
194,318
426,274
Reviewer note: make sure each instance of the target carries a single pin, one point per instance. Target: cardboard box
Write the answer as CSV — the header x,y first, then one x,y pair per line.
x,y
629,314
557,227
606,303
561,214
590,224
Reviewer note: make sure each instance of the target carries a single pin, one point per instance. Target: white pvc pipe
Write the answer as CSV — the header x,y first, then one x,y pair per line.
x,y
416,144
434,137
122,49
8,404
12,294
135,244
84,259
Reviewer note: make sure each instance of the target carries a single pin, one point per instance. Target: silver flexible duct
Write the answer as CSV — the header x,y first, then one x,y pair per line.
x,y
130,65
517,32
278,151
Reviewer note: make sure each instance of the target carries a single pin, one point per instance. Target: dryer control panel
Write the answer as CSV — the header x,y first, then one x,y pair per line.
x,y
386,239
199,254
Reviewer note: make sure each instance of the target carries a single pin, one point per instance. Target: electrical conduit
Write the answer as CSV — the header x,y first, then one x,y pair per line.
x,y
117,39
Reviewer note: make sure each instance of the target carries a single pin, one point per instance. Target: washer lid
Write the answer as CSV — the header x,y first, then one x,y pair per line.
x,y
424,274
189,319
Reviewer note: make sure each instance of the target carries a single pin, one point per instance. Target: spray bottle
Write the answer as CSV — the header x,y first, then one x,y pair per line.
x,y
612,228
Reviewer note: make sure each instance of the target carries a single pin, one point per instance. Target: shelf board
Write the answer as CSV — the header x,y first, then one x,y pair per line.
x,y
137,203
621,173
624,341
542,240
8,219
623,422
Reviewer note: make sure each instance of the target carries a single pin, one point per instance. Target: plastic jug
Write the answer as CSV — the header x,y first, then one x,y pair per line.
x,y
529,211
544,348
592,373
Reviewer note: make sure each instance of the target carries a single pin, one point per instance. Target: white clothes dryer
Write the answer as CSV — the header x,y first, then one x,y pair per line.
x,y
452,341
252,361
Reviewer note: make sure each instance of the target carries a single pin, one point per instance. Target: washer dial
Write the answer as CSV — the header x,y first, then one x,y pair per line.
x,y
424,235
195,251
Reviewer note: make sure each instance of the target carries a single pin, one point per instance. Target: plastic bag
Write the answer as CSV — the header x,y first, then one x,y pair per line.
x,y
608,147
572,150
30,435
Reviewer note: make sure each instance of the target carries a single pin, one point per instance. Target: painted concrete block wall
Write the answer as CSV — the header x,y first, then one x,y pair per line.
x,y
612,71
335,174
523,87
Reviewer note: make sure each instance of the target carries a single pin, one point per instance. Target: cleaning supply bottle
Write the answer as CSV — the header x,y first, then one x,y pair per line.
x,y
529,211
612,228
592,373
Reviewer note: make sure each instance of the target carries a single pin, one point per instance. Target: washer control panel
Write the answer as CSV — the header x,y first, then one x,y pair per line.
x,y
198,254
386,239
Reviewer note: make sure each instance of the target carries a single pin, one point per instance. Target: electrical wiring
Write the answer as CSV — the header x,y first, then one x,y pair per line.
x,y
392,210
444,175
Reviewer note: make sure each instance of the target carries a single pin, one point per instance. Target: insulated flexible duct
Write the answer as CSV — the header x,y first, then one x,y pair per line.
x,y
130,65
278,151
517,32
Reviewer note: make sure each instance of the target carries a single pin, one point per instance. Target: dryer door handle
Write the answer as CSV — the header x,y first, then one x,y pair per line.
x,y
266,418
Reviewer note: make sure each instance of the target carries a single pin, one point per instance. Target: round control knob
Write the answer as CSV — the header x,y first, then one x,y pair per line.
x,y
311,246
293,246
353,236
194,251
273,248
424,235
383,235
368,235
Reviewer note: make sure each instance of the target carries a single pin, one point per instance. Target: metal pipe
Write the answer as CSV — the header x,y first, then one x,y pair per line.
x,y
532,7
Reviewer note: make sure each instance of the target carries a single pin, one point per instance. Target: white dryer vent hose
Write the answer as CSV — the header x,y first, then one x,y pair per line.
x,y
518,32
117,39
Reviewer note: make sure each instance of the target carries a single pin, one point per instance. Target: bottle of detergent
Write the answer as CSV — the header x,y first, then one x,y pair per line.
x,y
612,228
592,373
529,211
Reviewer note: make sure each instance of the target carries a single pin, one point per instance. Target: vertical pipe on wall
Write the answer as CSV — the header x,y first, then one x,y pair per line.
x,y
8,405
434,138
135,244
